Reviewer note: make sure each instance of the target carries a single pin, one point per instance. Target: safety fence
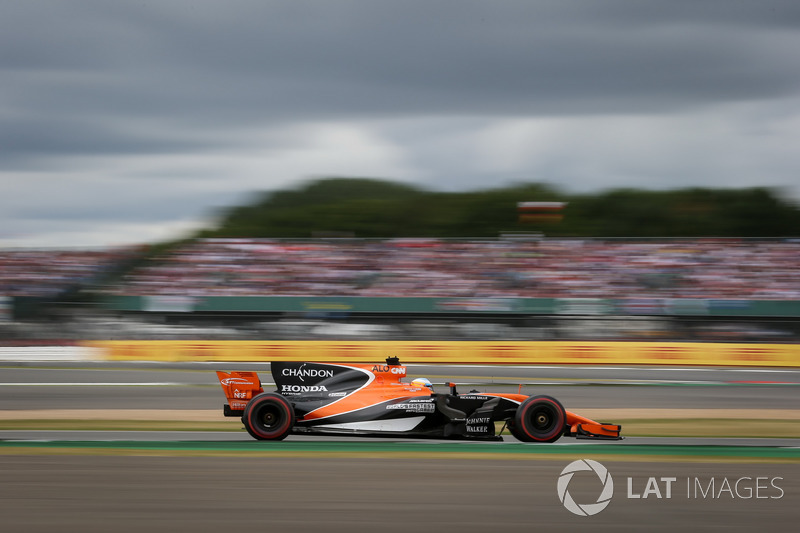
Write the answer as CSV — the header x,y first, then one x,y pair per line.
x,y
456,352
337,305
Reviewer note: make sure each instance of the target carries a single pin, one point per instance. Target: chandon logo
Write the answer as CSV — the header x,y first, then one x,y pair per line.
x,y
587,509
304,372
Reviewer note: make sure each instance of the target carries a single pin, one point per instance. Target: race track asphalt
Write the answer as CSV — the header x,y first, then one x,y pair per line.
x,y
194,386
92,489
346,494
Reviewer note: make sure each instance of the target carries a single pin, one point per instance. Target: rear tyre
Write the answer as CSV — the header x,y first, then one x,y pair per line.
x,y
268,416
539,419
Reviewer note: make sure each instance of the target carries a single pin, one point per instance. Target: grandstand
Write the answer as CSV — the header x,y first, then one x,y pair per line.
x,y
561,268
50,273
707,289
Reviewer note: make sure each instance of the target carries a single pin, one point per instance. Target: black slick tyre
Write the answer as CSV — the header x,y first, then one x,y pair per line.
x,y
268,416
514,431
539,419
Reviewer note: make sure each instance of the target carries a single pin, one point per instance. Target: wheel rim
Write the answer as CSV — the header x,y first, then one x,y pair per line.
x,y
269,417
543,419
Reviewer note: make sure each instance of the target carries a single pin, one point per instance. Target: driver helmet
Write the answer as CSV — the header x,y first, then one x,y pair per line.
x,y
422,382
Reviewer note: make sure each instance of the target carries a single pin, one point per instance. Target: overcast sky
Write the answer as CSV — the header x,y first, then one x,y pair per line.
x,y
129,122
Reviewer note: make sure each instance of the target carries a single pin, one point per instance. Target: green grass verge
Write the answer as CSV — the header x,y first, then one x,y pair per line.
x,y
420,450
695,427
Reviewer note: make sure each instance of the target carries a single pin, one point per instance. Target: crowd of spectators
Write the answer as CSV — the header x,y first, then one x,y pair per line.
x,y
501,268
546,268
48,273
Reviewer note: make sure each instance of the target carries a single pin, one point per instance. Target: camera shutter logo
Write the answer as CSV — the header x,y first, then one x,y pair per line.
x,y
587,509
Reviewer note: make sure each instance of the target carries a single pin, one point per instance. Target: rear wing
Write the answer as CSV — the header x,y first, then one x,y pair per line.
x,y
239,388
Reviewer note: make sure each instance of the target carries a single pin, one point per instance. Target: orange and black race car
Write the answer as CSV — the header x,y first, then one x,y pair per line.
x,y
372,400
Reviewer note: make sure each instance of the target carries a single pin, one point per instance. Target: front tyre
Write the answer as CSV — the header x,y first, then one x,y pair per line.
x,y
512,428
268,416
539,419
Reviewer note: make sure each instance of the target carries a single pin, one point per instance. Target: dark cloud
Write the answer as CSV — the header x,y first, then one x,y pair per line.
x,y
157,89
281,60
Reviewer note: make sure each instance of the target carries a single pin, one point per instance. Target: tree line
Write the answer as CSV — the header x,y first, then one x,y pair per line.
x,y
372,208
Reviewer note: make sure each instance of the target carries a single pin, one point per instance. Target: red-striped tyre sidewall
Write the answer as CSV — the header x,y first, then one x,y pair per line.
x,y
255,409
554,408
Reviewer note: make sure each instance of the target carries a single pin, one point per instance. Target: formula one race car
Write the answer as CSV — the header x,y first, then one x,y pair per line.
x,y
371,400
